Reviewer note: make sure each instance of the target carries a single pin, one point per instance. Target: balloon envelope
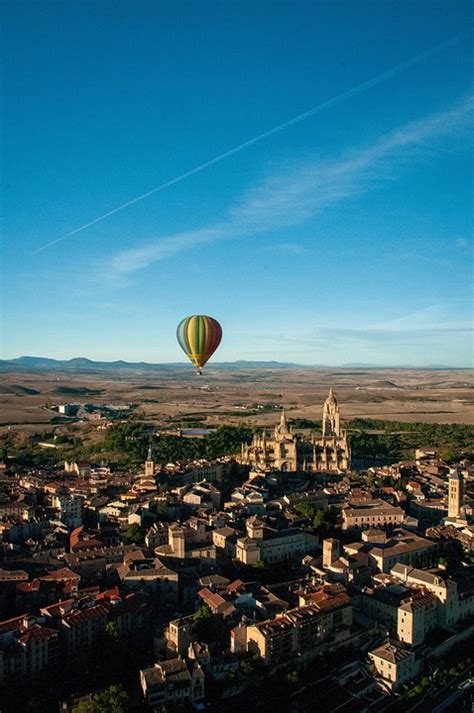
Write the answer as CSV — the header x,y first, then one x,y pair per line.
x,y
199,336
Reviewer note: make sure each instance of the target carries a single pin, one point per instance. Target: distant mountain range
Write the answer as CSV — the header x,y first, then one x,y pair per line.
x,y
33,363
26,363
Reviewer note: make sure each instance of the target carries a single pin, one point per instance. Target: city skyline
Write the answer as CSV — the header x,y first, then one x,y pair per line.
x,y
343,237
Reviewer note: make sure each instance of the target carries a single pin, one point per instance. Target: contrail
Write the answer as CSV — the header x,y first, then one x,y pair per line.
x,y
368,84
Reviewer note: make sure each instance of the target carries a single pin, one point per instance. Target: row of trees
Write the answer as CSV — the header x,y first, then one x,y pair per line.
x,y
131,441
124,445
369,438
378,440
374,439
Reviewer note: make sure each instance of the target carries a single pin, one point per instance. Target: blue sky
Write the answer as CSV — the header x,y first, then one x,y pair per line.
x,y
346,237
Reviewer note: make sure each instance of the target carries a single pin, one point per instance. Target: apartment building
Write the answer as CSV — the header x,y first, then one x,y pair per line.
x,y
416,618
301,631
394,665
172,682
69,508
444,589
27,647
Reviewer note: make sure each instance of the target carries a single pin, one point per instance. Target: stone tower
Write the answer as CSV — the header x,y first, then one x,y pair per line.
x,y
455,494
331,551
331,416
177,540
331,450
149,463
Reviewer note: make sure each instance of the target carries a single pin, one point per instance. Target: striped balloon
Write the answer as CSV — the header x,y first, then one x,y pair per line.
x,y
199,336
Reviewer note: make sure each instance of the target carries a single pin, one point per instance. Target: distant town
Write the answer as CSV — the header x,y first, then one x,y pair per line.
x,y
189,569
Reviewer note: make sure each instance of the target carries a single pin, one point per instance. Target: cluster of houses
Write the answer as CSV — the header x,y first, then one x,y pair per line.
x,y
182,554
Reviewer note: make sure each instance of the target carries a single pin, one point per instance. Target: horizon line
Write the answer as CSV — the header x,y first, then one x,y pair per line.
x,y
180,364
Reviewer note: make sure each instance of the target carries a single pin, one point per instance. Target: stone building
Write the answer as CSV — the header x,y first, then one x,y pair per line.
x,y
331,551
173,682
417,616
302,632
455,494
149,464
394,665
370,513
269,545
285,450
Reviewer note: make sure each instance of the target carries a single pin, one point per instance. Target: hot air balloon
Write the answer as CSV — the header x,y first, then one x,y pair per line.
x,y
199,336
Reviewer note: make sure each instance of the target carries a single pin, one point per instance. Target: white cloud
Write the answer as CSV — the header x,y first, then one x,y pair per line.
x,y
129,261
293,196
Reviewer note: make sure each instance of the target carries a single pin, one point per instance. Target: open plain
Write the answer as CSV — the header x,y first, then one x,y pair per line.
x,y
242,394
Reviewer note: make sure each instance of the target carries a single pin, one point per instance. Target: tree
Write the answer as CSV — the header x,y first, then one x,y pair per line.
x,y
85,706
251,663
113,631
293,679
113,699
135,535
203,613
226,440
203,623
324,521
306,509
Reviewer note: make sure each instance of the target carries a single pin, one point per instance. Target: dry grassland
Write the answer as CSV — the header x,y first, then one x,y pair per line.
x,y
232,396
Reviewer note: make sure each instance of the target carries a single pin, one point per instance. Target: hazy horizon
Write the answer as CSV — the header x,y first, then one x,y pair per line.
x,y
220,362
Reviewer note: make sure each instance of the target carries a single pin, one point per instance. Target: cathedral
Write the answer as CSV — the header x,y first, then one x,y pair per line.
x,y
288,451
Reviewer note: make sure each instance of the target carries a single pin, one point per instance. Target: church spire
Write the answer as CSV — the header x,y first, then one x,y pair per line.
x,y
283,425
149,463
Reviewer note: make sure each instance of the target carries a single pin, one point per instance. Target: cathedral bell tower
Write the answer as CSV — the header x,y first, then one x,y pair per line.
x,y
331,416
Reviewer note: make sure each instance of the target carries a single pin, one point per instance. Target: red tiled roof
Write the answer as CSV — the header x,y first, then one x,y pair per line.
x,y
107,594
63,573
77,617
74,536
36,633
27,587
333,602
214,601
14,624
57,608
